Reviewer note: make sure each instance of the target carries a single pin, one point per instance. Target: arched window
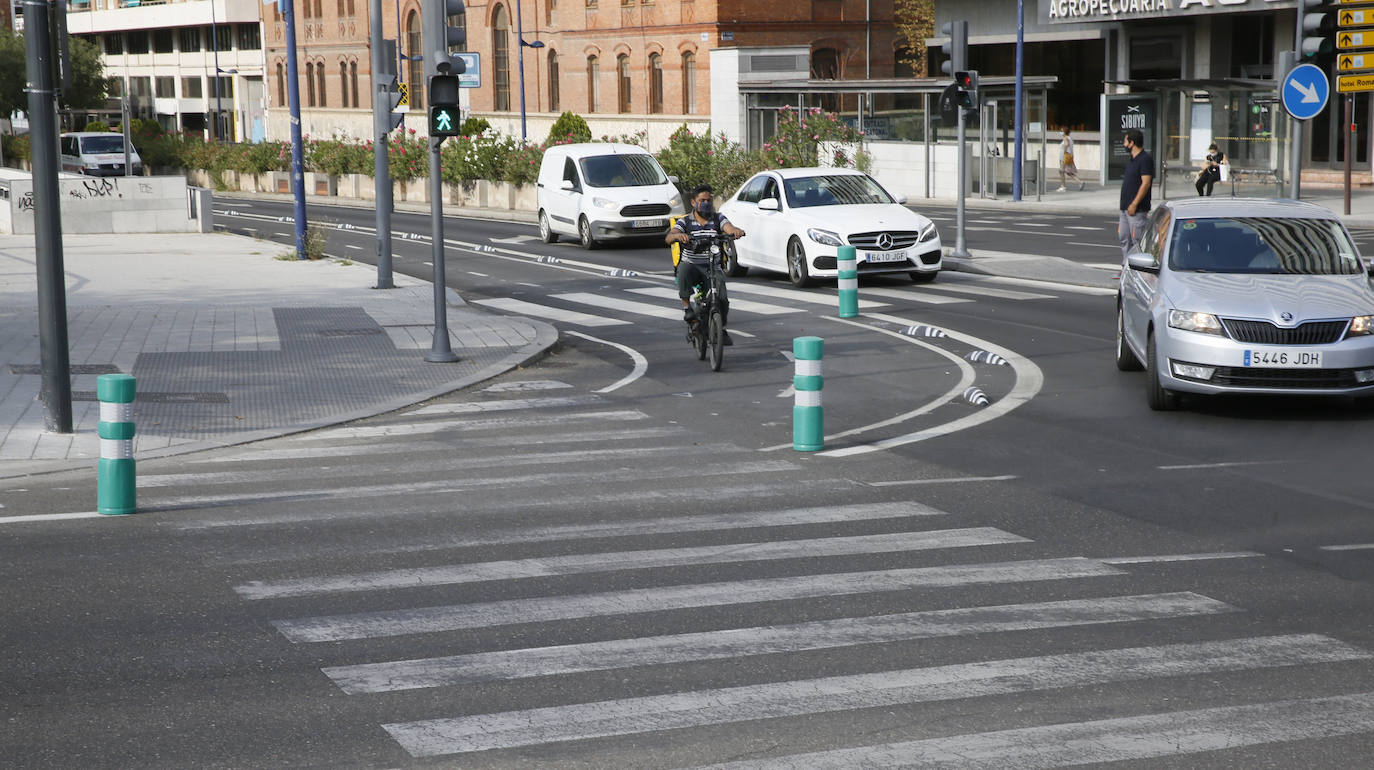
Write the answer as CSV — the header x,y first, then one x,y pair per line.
x,y
309,84
622,80
689,83
549,7
553,81
353,78
593,84
319,9
319,75
343,83
825,64
416,76
281,84
655,83
340,9
500,56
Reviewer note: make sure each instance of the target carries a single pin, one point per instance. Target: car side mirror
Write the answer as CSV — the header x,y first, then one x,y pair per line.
x,y
901,199
566,184
1142,262
769,204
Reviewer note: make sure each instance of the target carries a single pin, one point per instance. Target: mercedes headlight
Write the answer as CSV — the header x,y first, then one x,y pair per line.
x,y
824,237
1206,323
605,203
1361,325
927,233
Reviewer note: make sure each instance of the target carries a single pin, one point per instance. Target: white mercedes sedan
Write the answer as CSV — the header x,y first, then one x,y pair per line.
x,y
796,218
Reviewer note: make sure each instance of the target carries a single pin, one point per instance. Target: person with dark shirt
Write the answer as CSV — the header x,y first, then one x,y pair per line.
x,y
1135,191
694,232
1211,170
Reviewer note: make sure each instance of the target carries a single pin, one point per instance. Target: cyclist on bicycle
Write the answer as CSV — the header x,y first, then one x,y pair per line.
x,y
695,232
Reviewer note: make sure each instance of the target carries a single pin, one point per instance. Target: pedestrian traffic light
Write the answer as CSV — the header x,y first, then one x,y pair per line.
x,y
966,83
445,28
443,105
955,48
1318,29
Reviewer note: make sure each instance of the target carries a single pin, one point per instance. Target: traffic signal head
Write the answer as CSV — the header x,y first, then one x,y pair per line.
x,y
443,105
955,49
1318,28
966,85
445,28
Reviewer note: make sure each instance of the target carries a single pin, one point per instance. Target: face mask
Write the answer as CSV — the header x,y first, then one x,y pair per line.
x,y
705,208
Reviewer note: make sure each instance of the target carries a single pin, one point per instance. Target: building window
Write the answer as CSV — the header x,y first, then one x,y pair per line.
x,y
114,87
339,8
351,13
222,38
622,81
500,56
140,88
165,87
114,43
353,79
226,87
553,81
655,83
549,8
309,84
417,68
343,83
319,75
689,83
190,39
191,87
593,85
250,39
825,64
137,41
162,41
281,84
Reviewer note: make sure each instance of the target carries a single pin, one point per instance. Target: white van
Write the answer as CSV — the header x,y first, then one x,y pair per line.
x,y
602,191
97,154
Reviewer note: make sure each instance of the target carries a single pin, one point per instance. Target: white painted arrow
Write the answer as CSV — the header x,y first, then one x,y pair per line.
x,y
1309,92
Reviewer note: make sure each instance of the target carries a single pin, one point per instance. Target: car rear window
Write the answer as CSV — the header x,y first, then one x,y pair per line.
x,y
1263,245
834,190
622,171
101,144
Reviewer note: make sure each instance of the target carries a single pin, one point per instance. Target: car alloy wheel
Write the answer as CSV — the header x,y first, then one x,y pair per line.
x,y
732,266
584,229
1125,358
546,232
796,265
1159,398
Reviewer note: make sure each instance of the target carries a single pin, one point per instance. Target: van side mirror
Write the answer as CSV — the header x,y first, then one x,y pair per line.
x,y
566,184
769,204
1142,262
672,179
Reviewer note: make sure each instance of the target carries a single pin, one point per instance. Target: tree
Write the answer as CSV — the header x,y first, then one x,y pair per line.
x,y
915,21
88,75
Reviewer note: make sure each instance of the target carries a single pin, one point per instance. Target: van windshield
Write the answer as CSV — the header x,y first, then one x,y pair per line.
x,y
91,145
637,170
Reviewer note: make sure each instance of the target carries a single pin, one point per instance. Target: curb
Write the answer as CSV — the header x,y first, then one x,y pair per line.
x,y
466,212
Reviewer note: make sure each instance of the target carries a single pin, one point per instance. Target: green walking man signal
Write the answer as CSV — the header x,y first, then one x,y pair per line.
x,y
443,120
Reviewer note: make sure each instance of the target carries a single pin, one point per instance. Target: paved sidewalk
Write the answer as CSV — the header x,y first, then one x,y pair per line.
x,y
229,343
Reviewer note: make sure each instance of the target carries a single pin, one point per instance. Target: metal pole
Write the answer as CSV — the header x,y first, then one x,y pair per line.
x,y
1295,147
400,78
520,58
925,131
381,127
214,46
124,121
293,92
439,350
47,216
960,246
1020,99
1349,132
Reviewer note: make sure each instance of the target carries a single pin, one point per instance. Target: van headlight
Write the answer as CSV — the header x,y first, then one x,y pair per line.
x,y
1206,323
824,237
927,233
605,203
675,202
1361,325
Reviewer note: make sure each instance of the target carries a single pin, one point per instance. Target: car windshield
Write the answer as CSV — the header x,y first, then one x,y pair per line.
x,y
1263,245
836,190
637,170
95,144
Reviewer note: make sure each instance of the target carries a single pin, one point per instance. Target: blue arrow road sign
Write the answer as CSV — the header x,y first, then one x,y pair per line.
x,y
1305,91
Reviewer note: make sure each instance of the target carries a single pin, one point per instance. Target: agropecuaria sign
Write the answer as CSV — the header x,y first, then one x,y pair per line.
x,y
1079,11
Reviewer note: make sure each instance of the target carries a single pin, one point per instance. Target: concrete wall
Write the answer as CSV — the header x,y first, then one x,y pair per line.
x,y
140,204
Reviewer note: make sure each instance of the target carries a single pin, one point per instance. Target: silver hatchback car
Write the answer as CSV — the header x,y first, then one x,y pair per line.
x,y
1246,296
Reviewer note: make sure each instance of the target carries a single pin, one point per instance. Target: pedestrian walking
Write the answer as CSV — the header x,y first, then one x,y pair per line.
x,y
1067,168
1211,170
1135,190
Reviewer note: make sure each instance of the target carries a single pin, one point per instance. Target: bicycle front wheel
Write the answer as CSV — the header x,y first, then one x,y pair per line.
x,y
717,333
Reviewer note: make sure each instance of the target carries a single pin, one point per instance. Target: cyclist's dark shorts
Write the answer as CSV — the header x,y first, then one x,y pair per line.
x,y
690,275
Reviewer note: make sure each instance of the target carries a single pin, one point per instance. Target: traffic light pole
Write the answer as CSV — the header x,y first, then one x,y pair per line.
x,y
439,352
381,128
960,245
293,99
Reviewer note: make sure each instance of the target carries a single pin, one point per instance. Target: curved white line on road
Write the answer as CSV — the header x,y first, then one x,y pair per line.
x,y
1029,381
641,363
966,377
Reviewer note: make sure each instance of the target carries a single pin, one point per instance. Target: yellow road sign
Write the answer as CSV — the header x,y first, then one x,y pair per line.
x,y
404,89
1346,39
1352,17
1363,60
1363,81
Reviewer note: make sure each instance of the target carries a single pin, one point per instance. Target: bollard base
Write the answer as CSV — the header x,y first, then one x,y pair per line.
x,y
116,494
807,430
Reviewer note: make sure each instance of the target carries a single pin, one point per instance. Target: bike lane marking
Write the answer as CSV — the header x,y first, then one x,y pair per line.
x,y
641,364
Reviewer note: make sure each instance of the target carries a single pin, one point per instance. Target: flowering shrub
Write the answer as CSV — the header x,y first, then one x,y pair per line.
x,y
798,136
15,147
572,126
407,156
334,157
697,159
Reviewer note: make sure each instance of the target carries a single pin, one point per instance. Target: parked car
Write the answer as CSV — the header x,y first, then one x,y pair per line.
x,y
97,154
798,217
1246,296
603,191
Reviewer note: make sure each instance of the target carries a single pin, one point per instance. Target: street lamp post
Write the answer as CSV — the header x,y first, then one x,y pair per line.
x,y
214,46
520,58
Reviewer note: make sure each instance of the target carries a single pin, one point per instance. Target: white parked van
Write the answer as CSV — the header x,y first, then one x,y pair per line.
x,y
97,154
602,192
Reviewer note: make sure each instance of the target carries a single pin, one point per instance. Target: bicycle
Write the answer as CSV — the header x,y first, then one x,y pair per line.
x,y
709,336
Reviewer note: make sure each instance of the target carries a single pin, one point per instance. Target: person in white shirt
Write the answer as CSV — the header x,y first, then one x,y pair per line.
x,y
1067,168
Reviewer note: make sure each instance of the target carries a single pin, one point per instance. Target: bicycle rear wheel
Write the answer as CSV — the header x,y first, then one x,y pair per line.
x,y
698,337
717,332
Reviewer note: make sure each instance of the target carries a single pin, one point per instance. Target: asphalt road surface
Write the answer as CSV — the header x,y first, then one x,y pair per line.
x,y
613,557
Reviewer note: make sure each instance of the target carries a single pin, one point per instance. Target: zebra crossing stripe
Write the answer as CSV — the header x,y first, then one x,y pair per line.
x,y
495,423
454,617
1107,740
522,307
743,305
843,693
986,291
908,295
793,296
669,312
764,640
624,560
508,405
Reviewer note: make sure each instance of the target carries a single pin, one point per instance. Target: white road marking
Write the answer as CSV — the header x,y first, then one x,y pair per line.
x,y
440,426
1071,288
1103,265
673,313
743,305
630,716
1104,741
764,640
1238,464
986,291
548,566
829,299
479,275
1084,227
1103,246
641,364
459,616
913,295
544,311
508,405
351,246
516,386
953,480
1352,547
515,239
1182,557
52,517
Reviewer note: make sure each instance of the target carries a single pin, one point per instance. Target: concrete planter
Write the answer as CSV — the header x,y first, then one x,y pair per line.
x,y
525,198
278,182
320,184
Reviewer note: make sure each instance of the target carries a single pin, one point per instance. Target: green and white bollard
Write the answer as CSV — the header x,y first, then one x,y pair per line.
x,y
115,477
808,427
846,261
